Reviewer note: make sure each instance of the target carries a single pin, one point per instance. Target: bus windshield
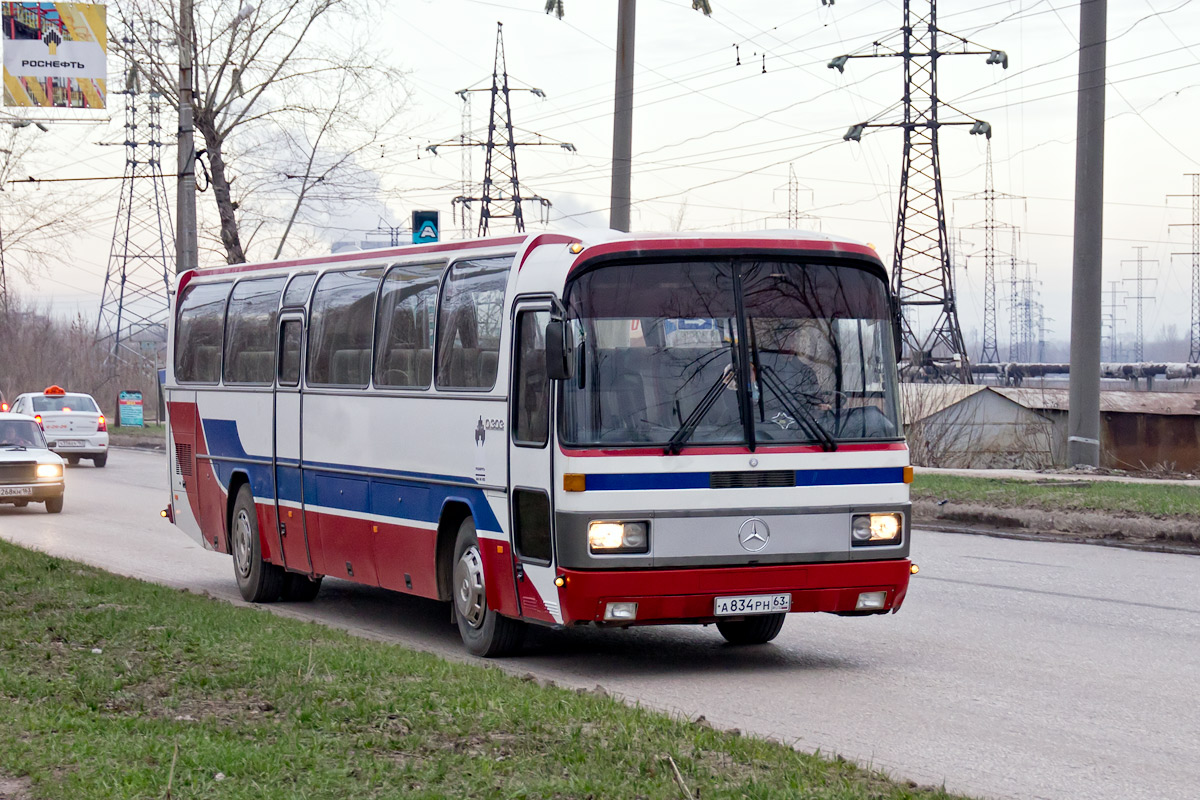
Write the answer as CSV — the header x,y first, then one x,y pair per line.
x,y
729,352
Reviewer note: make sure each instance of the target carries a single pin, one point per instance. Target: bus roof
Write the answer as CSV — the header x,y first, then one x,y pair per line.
x,y
604,240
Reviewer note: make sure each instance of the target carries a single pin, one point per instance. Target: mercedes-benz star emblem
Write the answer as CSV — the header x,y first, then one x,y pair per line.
x,y
754,534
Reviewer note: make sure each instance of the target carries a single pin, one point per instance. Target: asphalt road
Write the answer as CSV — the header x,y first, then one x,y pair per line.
x,y
1016,669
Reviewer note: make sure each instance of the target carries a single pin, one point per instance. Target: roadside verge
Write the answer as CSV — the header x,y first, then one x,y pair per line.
x,y
1145,515
148,691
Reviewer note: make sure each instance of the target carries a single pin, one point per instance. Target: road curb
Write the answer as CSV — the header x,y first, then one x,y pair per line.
x,y
1064,538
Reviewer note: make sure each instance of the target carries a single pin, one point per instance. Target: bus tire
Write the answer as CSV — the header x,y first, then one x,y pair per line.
x,y
751,630
484,632
298,588
258,581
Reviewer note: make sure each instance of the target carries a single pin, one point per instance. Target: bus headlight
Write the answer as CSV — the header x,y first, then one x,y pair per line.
x,y
49,471
868,529
618,537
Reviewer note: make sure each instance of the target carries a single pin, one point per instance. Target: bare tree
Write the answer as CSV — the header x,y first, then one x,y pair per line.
x,y
33,215
282,68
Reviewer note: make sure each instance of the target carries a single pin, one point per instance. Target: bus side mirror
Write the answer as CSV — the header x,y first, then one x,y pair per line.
x,y
559,351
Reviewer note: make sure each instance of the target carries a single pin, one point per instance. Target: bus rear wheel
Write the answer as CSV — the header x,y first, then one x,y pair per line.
x,y
751,630
258,581
483,631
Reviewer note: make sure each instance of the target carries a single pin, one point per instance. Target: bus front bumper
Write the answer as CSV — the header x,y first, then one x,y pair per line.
x,y
691,595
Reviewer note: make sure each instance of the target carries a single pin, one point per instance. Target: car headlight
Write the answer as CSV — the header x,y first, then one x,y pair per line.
x,y
618,537
868,529
49,470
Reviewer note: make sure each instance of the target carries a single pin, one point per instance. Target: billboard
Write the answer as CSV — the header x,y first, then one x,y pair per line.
x,y
55,55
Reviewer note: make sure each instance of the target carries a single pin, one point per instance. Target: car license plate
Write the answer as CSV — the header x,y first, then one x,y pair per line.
x,y
752,604
16,491
70,443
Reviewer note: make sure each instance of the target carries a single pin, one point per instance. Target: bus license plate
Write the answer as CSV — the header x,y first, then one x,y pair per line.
x,y
752,604
16,491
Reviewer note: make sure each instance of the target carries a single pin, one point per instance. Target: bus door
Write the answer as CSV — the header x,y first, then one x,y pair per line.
x,y
530,469
292,535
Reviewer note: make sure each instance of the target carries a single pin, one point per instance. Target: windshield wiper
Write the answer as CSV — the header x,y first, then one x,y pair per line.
x,y
803,415
688,426
15,447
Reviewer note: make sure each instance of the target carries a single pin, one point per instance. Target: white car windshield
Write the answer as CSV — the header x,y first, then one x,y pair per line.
x,y
66,402
20,433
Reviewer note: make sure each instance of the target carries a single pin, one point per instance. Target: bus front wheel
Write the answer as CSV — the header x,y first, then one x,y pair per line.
x,y
483,631
258,581
751,630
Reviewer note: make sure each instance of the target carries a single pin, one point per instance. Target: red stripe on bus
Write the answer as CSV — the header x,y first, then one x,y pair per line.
x,y
364,255
668,245
545,238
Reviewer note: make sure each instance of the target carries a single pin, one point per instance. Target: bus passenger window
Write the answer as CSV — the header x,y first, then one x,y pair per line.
x,y
198,333
250,331
339,332
402,331
469,321
530,390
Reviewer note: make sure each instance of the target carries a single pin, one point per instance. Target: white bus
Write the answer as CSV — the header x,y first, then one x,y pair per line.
x,y
604,429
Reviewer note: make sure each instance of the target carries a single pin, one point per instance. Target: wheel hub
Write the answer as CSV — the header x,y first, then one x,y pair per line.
x,y
241,542
470,598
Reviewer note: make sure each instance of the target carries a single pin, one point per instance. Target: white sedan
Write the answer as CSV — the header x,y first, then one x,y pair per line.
x,y
74,426
29,472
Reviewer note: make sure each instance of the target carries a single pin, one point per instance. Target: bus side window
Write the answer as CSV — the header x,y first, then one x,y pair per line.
x,y
530,405
470,317
198,334
339,331
250,331
402,334
289,353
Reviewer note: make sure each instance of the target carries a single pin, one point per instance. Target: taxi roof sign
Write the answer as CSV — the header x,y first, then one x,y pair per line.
x,y
55,390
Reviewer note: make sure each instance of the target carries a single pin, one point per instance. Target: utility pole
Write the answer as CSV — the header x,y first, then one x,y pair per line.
x,y
1139,342
990,353
1194,328
1112,316
1083,414
622,159
794,214
187,252
922,276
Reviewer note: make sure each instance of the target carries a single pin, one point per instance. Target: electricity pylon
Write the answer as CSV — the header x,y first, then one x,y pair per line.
x,y
922,276
134,305
1139,342
990,352
501,196
1194,328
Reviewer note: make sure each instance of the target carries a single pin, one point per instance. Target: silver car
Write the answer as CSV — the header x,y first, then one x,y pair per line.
x,y
29,472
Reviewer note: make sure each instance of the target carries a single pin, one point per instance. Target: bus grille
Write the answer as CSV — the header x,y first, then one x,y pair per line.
x,y
22,472
750,480
183,460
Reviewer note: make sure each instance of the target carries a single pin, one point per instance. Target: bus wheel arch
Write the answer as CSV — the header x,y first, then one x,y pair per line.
x,y
236,481
454,512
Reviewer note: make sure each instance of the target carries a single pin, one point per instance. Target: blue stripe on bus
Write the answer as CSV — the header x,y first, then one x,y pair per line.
x,y
389,497
635,481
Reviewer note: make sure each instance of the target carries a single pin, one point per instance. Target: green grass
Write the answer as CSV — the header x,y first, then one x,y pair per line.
x,y
151,431
1156,499
250,705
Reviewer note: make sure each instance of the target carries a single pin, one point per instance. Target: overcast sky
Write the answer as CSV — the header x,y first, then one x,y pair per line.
x,y
714,140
